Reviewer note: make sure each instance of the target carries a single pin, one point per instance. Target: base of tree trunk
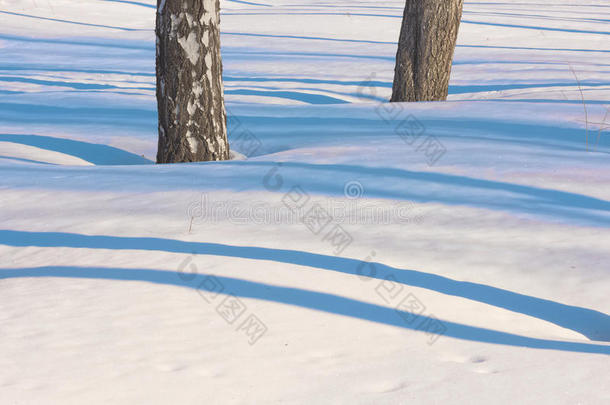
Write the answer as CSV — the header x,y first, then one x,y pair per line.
x,y
192,116
425,50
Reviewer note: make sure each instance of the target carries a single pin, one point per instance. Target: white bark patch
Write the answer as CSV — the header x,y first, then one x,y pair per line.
x,y
193,142
206,39
190,47
175,21
189,20
210,14
197,89
208,74
191,108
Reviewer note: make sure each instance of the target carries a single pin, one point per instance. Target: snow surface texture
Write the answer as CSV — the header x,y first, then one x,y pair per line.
x,y
490,212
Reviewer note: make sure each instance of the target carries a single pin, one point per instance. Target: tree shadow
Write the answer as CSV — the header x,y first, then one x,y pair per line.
x,y
508,131
133,3
298,80
72,85
593,324
138,118
72,22
23,160
318,301
94,153
525,48
279,54
309,98
531,27
475,88
139,45
423,187
244,34
63,69
250,3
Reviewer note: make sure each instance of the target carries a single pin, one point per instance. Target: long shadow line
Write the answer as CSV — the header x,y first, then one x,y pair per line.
x,y
97,154
308,95
319,301
309,98
333,6
123,44
548,101
133,3
63,68
25,160
592,324
529,27
251,3
306,80
532,49
475,88
305,37
348,14
132,117
345,14
539,16
240,51
72,85
72,22
512,4
544,196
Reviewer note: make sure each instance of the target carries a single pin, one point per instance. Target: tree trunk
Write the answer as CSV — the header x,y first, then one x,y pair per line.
x,y
425,50
192,116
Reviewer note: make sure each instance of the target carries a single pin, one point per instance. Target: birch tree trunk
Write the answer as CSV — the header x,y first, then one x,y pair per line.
x,y
190,101
425,50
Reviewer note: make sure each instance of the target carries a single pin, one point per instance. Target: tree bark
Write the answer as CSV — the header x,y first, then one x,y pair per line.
x,y
425,50
190,101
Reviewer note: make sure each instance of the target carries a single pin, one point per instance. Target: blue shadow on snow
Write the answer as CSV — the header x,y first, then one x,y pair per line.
x,y
90,152
318,301
592,324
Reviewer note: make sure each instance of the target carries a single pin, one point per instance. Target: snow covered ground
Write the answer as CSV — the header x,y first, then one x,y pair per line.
x,y
485,220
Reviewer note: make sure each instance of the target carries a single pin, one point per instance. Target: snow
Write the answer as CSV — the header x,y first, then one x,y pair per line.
x,y
489,212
